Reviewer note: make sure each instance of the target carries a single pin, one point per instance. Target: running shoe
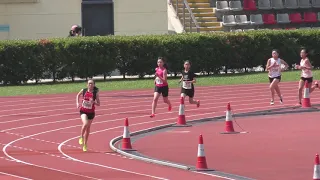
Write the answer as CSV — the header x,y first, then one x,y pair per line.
x,y
84,148
316,84
271,102
152,115
80,140
198,103
281,100
169,108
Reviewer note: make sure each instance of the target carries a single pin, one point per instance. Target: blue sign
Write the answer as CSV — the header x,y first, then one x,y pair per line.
x,y
4,28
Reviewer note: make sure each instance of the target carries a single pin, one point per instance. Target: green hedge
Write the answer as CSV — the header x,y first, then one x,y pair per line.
x,y
23,60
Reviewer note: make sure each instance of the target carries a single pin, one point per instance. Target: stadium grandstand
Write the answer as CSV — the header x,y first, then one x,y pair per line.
x,y
243,15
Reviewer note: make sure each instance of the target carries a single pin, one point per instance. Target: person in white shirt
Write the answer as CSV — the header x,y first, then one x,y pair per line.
x,y
274,67
306,74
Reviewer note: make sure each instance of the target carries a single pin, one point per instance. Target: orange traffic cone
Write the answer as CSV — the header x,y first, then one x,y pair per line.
x,y
306,96
181,117
126,141
316,169
229,124
201,161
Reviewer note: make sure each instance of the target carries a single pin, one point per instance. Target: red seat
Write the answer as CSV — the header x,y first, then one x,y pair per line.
x,y
295,18
269,19
249,5
310,17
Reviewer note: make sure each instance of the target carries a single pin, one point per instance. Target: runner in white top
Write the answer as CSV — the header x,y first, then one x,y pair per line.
x,y
306,74
274,67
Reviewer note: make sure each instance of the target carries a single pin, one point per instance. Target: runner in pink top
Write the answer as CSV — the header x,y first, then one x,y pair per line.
x,y
306,74
161,86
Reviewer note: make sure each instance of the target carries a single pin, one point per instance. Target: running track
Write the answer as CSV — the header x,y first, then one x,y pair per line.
x,y
39,134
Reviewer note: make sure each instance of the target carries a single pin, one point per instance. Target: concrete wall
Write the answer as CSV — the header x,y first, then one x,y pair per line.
x,y
33,19
135,17
30,19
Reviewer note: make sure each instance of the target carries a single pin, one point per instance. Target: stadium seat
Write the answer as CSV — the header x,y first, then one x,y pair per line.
x,y
316,3
304,4
256,19
277,4
310,17
235,6
241,20
291,4
264,4
228,20
269,19
222,6
249,5
295,18
283,18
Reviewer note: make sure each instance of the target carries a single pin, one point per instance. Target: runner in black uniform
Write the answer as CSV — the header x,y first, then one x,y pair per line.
x,y
188,79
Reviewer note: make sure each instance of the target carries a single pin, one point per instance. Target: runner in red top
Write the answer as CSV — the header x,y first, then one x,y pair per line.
x,y
90,98
161,86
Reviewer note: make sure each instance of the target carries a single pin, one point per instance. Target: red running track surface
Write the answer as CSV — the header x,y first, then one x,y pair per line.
x,y
277,147
39,136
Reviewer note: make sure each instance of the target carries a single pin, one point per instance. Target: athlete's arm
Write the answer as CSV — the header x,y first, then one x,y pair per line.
x,y
307,65
97,100
285,63
77,98
181,79
194,80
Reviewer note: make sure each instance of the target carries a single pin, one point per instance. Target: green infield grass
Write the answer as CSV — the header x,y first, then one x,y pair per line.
x,y
127,84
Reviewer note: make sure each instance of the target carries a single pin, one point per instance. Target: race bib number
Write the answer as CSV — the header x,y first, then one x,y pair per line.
x,y
87,104
275,70
158,81
186,85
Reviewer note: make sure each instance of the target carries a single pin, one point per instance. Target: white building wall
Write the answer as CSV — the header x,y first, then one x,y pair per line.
x,y
136,17
34,19
30,19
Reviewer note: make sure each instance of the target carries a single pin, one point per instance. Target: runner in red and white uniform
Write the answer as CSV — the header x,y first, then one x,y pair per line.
x,y
161,86
306,74
90,98
274,68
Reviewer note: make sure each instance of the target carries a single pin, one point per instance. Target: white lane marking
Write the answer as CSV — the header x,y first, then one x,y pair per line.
x,y
200,89
108,129
104,115
213,175
206,98
16,176
30,164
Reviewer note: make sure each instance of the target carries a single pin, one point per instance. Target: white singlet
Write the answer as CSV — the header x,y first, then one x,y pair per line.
x,y
306,73
275,71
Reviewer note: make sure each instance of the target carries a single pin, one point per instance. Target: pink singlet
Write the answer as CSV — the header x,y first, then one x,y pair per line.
x,y
159,82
